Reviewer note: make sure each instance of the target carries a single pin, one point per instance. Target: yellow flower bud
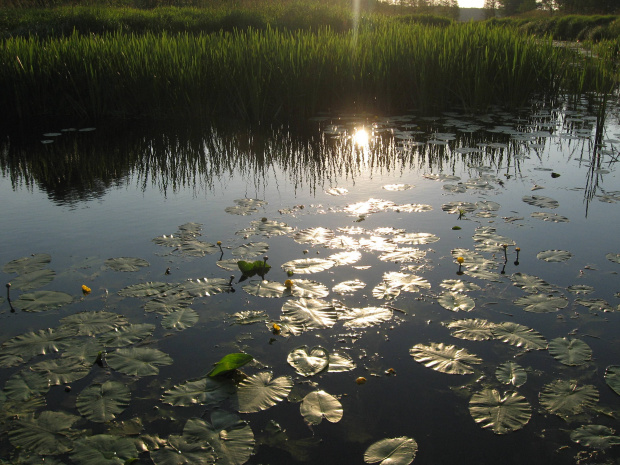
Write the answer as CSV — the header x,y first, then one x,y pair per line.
x,y
460,260
85,289
288,283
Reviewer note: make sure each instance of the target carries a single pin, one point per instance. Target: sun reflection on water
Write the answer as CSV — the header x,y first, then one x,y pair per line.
x,y
361,138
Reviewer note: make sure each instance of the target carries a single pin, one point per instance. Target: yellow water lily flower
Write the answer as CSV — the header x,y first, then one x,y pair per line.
x,y
276,328
288,283
460,260
85,289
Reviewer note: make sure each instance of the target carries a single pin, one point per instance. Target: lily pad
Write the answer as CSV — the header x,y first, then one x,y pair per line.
x,y
145,289
416,238
260,392
571,352
403,255
93,323
27,264
456,285
542,303
345,258
104,449
24,385
138,361
314,236
33,279
61,370
541,201
365,317
612,378
168,303
251,249
40,301
196,248
530,284
264,288
180,319
42,342
552,217
307,265
444,358
266,228
385,291
318,405
103,402
202,391
179,450
511,373
613,257
308,289
392,451
502,414
519,336
406,282
309,313
554,255
348,287
475,329
455,301
229,363
595,436
308,362
126,263
204,287
566,398
126,335
340,362
48,434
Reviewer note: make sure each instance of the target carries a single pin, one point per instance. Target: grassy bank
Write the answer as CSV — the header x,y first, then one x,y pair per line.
x,y
261,75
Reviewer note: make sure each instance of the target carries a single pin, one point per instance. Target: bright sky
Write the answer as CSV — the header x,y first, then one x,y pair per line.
x,y
471,3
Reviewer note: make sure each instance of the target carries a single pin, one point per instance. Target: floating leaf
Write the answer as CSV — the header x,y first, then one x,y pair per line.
x,y
385,291
613,257
456,285
455,301
444,358
541,201
472,329
580,289
125,263
542,303
92,323
252,249
40,301
27,264
531,284
307,265
61,370
126,335
307,288
337,191
398,187
403,255
365,317
48,434
33,279
264,288
612,378
340,362
571,352
180,319
24,385
519,336
314,236
204,287
345,258
103,402
308,362
145,289
104,449
229,363
179,450
412,208
501,414
459,207
309,313
168,241
566,398
259,392
44,341
369,206
203,391
230,437
196,248
595,436
511,373
138,361
168,303
406,282
248,317
348,287
416,238
265,228
392,451
554,255
547,216
318,405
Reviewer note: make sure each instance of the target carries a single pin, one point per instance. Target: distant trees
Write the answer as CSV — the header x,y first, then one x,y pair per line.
x,y
513,7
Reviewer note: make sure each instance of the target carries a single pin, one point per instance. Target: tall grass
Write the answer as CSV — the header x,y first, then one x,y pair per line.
x,y
262,75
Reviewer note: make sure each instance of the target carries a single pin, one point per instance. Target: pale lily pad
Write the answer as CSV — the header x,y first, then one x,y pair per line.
x,y
310,313
248,317
264,288
385,291
554,255
245,206
179,450
444,358
337,191
314,236
459,207
33,279
307,265
612,378
126,335
456,285
168,240
519,336
348,287
202,391
365,317
542,303
398,187
378,244
318,405
392,451
250,250
260,392
27,264
44,341
571,352
48,434
340,362
126,263
502,414
472,329
308,289
196,248
511,373
145,289
138,361
204,287
103,402
416,238
613,257
104,449
230,437
403,255
266,228
566,398
308,362
595,436
580,289
455,301
595,305
168,303
180,319
547,216
92,323
368,207
406,282
343,242
531,284
412,208
541,201
61,370
229,265
345,258
40,301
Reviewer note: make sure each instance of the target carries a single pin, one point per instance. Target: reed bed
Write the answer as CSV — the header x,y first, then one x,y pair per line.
x,y
266,75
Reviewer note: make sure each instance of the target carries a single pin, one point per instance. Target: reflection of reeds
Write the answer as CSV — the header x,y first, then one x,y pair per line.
x,y
262,75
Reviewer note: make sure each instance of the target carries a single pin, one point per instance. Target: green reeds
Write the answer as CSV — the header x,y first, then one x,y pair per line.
x,y
262,75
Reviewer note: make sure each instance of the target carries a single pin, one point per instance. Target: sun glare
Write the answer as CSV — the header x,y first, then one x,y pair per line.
x,y
361,138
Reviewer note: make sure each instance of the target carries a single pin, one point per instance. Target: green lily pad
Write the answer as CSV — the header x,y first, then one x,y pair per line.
x,y
24,385
33,279
125,263
40,301
318,405
571,352
542,303
595,436
62,370
27,264
138,361
180,319
519,336
48,434
613,257
566,398
511,373
444,358
103,402
502,414
541,201
612,378
260,392
252,249
229,363
145,289
165,304
308,362
104,449
455,301
259,267
554,255
179,450
392,451
202,391
92,323
44,341
196,248
126,335
475,329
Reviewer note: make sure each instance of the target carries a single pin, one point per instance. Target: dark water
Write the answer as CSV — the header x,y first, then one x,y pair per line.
x,y
88,196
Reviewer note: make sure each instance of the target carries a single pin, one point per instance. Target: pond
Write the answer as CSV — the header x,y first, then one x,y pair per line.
x,y
438,289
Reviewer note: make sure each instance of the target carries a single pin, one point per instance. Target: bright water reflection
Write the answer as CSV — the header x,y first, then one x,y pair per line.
x,y
93,195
